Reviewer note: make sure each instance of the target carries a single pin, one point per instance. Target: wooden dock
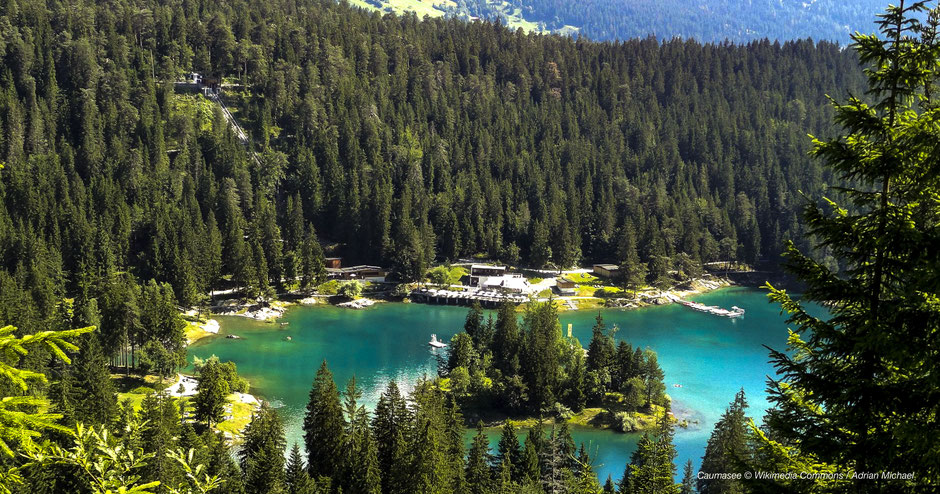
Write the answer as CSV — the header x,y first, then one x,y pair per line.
x,y
487,298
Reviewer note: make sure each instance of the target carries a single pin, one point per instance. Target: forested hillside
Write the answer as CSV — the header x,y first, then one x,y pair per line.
x,y
406,141
410,141
124,197
703,20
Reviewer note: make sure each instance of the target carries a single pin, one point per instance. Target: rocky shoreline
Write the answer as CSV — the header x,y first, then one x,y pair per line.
x,y
666,297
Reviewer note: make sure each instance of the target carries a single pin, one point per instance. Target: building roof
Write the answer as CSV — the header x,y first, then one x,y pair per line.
x,y
354,269
609,267
487,266
507,282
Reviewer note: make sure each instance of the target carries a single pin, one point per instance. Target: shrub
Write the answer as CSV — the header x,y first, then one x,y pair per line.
x,y
562,412
349,289
329,288
625,422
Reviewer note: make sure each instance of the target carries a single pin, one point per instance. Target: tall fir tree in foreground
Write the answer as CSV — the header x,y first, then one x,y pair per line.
x,y
262,454
858,387
324,426
726,451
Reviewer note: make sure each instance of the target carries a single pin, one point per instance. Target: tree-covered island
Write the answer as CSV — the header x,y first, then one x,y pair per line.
x,y
499,368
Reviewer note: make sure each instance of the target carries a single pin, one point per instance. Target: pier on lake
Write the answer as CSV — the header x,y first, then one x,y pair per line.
x,y
486,298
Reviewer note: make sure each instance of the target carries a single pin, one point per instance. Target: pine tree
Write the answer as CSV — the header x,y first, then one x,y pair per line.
x,y
509,452
96,398
262,455
390,425
601,349
726,450
211,391
324,427
506,340
360,465
541,354
852,391
313,272
479,473
296,479
688,479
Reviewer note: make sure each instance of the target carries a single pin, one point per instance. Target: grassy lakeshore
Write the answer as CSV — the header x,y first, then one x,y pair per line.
x,y
596,417
134,389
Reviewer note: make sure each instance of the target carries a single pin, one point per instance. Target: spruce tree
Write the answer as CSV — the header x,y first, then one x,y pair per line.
x,y
390,425
855,386
262,454
688,479
506,340
313,272
211,392
651,468
296,479
324,426
601,349
473,325
479,473
509,451
221,461
95,396
360,464
454,439
652,378
541,354
531,470
609,487
727,449
158,437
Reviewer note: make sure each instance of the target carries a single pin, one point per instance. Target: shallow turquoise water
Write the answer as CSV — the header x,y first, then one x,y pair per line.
x,y
711,357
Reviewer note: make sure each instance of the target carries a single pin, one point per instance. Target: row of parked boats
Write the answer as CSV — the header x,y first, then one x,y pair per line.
x,y
735,311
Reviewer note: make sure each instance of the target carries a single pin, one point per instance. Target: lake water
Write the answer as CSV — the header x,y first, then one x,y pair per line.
x,y
711,357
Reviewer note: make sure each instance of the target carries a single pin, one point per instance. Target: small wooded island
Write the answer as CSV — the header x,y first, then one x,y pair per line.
x,y
499,369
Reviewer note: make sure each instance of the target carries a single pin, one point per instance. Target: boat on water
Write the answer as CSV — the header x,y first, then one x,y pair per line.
x,y
436,343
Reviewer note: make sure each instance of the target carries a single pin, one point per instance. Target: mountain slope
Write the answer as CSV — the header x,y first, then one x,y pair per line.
x,y
704,20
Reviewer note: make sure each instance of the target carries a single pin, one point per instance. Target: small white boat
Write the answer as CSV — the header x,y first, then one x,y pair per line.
x,y
436,343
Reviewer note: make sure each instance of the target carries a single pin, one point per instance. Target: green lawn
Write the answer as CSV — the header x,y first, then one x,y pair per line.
x,y
584,278
448,275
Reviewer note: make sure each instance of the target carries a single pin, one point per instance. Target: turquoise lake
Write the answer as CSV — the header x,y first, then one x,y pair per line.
x,y
711,357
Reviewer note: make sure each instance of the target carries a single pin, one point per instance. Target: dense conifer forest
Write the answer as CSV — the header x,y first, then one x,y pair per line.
x,y
124,197
727,20
405,141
